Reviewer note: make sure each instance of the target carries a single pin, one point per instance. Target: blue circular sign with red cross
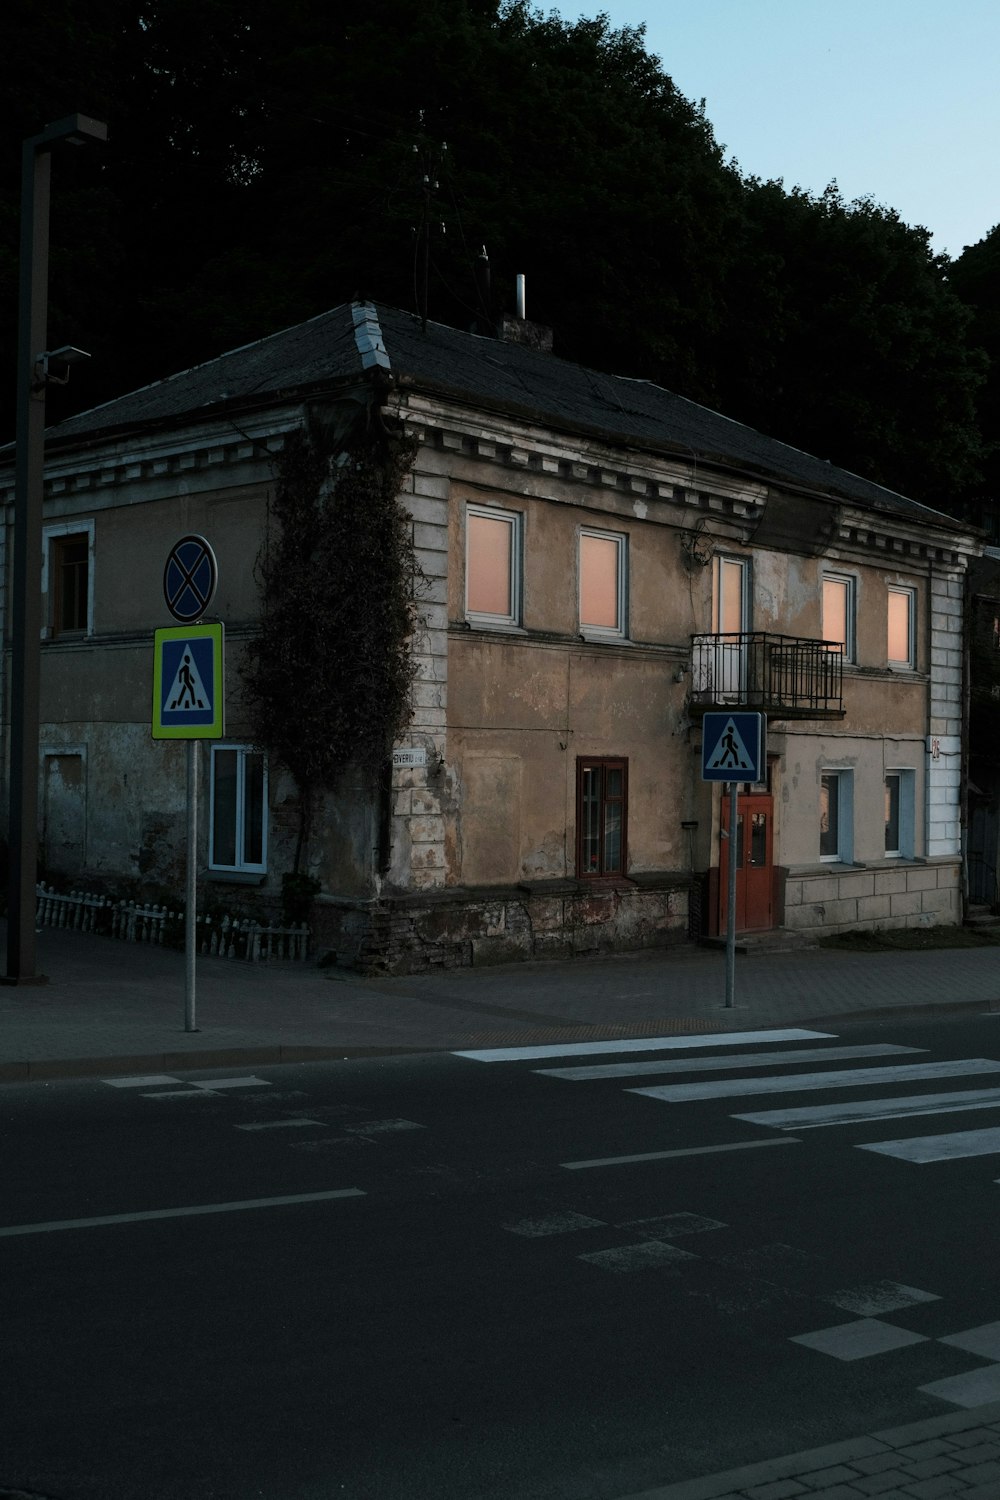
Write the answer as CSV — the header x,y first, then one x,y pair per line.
x,y
189,578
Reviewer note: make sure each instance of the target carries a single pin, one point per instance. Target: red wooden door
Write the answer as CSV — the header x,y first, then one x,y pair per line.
x,y
754,863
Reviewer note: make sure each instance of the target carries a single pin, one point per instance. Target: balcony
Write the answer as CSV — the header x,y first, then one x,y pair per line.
x,y
783,676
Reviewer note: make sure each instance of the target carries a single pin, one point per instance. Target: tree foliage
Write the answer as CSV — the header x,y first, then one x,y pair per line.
x,y
268,161
328,676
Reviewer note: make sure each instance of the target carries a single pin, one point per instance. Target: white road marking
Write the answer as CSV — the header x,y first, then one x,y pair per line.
x,y
669,1226
953,1147
182,1094
567,1223
984,1340
859,1340
180,1213
383,1127
230,1083
974,1388
277,1124
642,1044
856,1111
879,1297
717,1064
621,1161
676,1093
146,1081
651,1254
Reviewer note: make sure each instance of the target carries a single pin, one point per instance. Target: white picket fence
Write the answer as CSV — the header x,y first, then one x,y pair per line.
x,y
224,937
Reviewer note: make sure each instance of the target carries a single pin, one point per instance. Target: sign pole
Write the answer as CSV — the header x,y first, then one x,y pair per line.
x,y
189,703
731,899
191,888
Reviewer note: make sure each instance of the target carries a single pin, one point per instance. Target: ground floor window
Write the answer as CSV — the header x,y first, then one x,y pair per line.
x,y
601,815
900,790
836,816
238,809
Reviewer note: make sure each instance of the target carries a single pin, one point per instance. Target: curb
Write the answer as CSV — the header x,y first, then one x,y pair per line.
x,y
192,1062
734,1483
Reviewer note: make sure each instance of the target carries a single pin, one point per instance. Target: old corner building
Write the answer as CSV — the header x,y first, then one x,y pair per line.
x,y
603,562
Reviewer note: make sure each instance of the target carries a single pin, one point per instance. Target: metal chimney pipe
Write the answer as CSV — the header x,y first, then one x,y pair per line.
x,y
520,297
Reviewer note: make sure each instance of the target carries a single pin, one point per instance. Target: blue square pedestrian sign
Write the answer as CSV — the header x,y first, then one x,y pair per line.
x,y
732,747
188,689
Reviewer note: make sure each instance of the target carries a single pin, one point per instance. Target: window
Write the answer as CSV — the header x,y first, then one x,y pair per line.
x,y
892,813
602,583
900,631
492,565
900,802
838,613
836,816
238,810
601,809
67,573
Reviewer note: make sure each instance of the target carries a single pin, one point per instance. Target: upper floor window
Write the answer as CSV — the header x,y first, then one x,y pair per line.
x,y
732,603
67,577
603,558
901,611
492,565
838,612
238,817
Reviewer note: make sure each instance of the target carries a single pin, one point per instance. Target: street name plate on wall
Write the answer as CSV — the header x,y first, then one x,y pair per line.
x,y
410,755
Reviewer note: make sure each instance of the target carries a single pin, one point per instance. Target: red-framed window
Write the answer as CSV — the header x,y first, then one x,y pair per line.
x,y
601,816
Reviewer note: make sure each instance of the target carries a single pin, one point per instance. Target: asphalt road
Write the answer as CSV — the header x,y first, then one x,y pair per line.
x,y
437,1277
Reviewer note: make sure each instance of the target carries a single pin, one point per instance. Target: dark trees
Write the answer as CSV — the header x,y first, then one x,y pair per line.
x,y
268,161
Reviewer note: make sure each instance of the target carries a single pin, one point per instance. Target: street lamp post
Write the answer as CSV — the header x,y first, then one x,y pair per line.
x,y
32,377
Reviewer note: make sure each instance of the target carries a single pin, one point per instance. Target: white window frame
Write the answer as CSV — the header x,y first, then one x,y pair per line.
x,y
850,586
515,520
844,853
906,778
51,533
619,630
910,594
241,867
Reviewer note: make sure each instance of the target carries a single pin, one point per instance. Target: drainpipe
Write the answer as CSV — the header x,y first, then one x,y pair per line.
x,y
965,757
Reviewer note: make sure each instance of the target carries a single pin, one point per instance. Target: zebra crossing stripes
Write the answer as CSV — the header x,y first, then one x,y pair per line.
x,y
924,1148
720,1064
643,1044
860,1111
795,1083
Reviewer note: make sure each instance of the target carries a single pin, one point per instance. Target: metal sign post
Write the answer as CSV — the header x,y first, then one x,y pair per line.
x,y
734,843
189,703
730,743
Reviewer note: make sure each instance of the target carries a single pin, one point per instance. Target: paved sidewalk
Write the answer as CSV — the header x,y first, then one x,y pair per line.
x,y
113,1006
957,1454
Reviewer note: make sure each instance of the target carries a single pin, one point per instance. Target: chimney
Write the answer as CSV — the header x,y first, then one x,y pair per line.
x,y
517,330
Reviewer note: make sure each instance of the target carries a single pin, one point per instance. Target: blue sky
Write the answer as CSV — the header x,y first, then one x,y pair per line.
x,y
899,99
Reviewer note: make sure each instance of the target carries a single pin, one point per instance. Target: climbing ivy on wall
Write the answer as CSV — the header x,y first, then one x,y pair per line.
x,y
328,677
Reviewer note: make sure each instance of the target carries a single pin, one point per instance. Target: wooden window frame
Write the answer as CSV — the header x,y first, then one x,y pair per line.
x,y
605,763
56,539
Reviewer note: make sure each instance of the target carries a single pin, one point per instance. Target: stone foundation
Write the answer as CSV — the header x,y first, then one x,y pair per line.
x,y
842,898
461,927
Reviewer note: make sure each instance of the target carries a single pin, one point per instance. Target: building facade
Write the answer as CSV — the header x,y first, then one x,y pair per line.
x,y
602,563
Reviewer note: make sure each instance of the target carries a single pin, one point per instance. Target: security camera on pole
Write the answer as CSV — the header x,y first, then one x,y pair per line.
x,y
732,750
189,701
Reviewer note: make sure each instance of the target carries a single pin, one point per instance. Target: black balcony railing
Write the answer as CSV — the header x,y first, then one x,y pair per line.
x,y
785,676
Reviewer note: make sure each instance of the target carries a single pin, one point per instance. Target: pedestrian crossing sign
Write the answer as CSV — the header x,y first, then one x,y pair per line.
x,y
732,747
188,695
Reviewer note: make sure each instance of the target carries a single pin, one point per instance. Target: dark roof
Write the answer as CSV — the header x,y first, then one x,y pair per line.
x,y
342,344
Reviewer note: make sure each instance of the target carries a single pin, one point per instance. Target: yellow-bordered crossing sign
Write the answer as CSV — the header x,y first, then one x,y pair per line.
x,y
188,688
